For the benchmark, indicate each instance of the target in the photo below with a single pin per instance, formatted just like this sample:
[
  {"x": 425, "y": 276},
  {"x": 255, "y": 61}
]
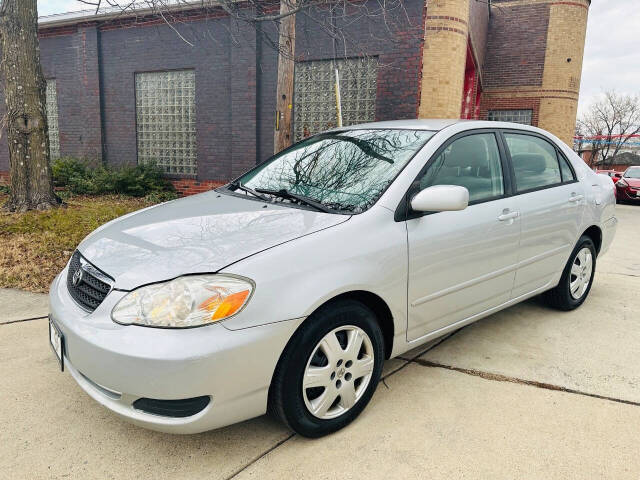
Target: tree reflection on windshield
[{"x": 345, "y": 170}]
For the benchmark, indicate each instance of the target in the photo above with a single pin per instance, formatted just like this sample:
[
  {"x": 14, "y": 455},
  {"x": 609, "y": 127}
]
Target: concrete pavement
[
  {"x": 463, "y": 409},
  {"x": 18, "y": 305},
  {"x": 594, "y": 349},
  {"x": 434, "y": 423}
]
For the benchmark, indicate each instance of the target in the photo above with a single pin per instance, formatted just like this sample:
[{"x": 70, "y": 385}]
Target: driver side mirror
[{"x": 441, "y": 198}]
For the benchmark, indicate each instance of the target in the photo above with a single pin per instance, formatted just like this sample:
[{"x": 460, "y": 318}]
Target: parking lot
[{"x": 526, "y": 393}]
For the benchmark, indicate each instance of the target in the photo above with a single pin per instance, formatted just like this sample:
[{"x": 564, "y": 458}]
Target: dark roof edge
[{"x": 115, "y": 13}]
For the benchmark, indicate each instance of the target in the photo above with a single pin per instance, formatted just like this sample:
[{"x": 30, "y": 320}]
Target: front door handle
[
  {"x": 508, "y": 216},
  {"x": 575, "y": 197}
]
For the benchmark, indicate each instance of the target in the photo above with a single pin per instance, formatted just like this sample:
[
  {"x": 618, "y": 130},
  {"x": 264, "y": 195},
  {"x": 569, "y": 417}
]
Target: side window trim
[
  {"x": 561, "y": 156},
  {"x": 507, "y": 167},
  {"x": 507, "y": 152},
  {"x": 403, "y": 211}
]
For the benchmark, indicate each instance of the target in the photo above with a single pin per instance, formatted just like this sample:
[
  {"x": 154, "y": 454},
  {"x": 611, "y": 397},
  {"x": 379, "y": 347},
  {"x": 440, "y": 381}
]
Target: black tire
[
  {"x": 560, "y": 297},
  {"x": 286, "y": 400}
]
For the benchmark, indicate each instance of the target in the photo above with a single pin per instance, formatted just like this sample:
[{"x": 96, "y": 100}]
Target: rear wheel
[
  {"x": 329, "y": 370},
  {"x": 577, "y": 277}
]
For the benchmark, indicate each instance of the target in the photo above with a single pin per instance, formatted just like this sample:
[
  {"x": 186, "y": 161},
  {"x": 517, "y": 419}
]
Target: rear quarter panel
[{"x": 600, "y": 199}]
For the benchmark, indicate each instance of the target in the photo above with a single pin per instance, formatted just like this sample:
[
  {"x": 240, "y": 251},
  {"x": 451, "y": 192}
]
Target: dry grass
[{"x": 35, "y": 246}]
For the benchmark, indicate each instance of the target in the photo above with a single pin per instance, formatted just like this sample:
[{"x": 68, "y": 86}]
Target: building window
[
  {"x": 166, "y": 120},
  {"x": 315, "y": 98},
  {"x": 515, "y": 116},
  {"x": 51, "y": 107}
]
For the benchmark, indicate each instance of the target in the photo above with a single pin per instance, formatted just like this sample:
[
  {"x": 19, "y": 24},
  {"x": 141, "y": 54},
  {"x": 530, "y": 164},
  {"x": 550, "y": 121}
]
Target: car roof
[
  {"x": 436, "y": 124},
  {"x": 422, "y": 124}
]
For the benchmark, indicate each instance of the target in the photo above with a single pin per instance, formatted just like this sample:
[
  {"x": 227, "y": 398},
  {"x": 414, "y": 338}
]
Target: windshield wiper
[
  {"x": 239, "y": 186},
  {"x": 282, "y": 193}
]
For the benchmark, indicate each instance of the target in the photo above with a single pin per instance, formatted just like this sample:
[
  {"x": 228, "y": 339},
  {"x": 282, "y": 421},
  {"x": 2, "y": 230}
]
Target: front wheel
[
  {"x": 329, "y": 370},
  {"x": 577, "y": 277}
]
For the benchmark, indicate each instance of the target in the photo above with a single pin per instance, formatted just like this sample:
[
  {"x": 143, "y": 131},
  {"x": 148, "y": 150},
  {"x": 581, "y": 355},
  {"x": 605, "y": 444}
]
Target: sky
[{"x": 612, "y": 51}]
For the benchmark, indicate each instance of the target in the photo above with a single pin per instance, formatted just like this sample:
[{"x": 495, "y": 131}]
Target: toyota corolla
[{"x": 286, "y": 289}]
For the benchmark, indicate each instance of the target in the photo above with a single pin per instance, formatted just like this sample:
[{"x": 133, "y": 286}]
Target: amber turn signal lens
[{"x": 230, "y": 305}]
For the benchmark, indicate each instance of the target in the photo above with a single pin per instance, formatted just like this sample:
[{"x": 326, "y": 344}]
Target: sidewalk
[{"x": 526, "y": 393}]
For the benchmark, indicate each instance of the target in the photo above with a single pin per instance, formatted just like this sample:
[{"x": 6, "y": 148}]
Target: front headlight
[{"x": 189, "y": 301}]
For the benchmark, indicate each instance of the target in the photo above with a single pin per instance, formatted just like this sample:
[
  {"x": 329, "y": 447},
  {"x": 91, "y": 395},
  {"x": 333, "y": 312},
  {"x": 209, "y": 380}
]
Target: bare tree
[
  {"x": 26, "y": 120},
  {"x": 610, "y": 123},
  {"x": 325, "y": 15}
]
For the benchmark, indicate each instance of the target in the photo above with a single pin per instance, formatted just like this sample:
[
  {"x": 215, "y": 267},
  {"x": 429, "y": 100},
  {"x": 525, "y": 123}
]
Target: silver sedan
[{"x": 286, "y": 289}]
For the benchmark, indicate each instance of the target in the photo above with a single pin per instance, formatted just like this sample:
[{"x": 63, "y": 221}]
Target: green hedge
[{"x": 82, "y": 178}]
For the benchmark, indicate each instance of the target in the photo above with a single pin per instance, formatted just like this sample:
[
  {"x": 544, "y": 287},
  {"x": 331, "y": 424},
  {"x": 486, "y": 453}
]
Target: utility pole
[{"x": 284, "y": 100}]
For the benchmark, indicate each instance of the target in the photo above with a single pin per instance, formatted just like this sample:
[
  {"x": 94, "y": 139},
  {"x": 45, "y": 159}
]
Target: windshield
[
  {"x": 346, "y": 170},
  {"x": 632, "y": 173}
]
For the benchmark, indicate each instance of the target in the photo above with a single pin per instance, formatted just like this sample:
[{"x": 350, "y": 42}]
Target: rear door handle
[
  {"x": 508, "y": 216},
  {"x": 575, "y": 197}
]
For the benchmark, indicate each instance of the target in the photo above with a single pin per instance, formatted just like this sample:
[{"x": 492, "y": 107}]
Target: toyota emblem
[{"x": 77, "y": 277}]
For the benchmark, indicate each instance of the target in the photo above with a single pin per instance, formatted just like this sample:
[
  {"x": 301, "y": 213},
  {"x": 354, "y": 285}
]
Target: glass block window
[
  {"x": 315, "y": 98},
  {"x": 515, "y": 116},
  {"x": 51, "y": 108},
  {"x": 166, "y": 120}
]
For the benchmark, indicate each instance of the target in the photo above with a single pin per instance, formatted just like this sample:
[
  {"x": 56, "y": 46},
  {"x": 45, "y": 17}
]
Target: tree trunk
[
  {"x": 284, "y": 101},
  {"x": 24, "y": 91}
]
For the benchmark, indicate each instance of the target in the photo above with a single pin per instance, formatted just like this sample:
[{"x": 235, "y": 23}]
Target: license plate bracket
[{"x": 56, "y": 340}]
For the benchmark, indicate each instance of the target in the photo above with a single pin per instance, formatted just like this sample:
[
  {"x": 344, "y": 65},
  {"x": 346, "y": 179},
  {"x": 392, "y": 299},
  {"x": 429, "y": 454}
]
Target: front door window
[{"x": 472, "y": 162}]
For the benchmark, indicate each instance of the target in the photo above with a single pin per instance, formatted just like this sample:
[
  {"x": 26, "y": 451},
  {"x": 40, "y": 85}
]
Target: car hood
[
  {"x": 633, "y": 182},
  {"x": 197, "y": 234}
]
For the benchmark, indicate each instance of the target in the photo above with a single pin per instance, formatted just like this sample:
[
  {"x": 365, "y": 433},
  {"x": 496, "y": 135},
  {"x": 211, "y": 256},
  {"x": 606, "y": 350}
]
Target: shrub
[
  {"x": 84, "y": 179},
  {"x": 63, "y": 169},
  {"x": 140, "y": 180},
  {"x": 160, "y": 197}
]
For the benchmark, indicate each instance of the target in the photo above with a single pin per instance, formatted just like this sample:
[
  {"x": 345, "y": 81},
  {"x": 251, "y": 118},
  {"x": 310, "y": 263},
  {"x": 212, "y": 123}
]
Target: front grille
[
  {"x": 186, "y": 407},
  {"x": 87, "y": 285}
]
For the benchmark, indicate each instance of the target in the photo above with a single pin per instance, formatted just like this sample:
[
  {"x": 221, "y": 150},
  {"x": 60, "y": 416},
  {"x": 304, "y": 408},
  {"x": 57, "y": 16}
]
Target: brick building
[{"x": 126, "y": 89}]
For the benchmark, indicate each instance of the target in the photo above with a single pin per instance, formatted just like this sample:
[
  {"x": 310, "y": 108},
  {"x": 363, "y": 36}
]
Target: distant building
[
  {"x": 588, "y": 154},
  {"x": 620, "y": 162},
  {"x": 125, "y": 88}
]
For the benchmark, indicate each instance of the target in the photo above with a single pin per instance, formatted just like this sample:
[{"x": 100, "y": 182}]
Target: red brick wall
[
  {"x": 589, "y": 157},
  {"x": 188, "y": 186},
  {"x": 235, "y": 88},
  {"x": 516, "y": 45},
  {"x": 500, "y": 101}
]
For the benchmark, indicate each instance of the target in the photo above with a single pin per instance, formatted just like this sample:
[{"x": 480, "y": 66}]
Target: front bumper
[
  {"x": 117, "y": 364},
  {"x": 628, "y": 195}
]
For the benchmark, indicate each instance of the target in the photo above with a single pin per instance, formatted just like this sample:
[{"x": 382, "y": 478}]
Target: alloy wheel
[
  {"x": 338, "y": 372},
  {"x": 580, "y": 276}
]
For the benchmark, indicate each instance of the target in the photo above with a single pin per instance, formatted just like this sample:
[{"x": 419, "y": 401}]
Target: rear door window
[
  {"x": 565, "y": 169},
  {"x": 535, "y": 162}
]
